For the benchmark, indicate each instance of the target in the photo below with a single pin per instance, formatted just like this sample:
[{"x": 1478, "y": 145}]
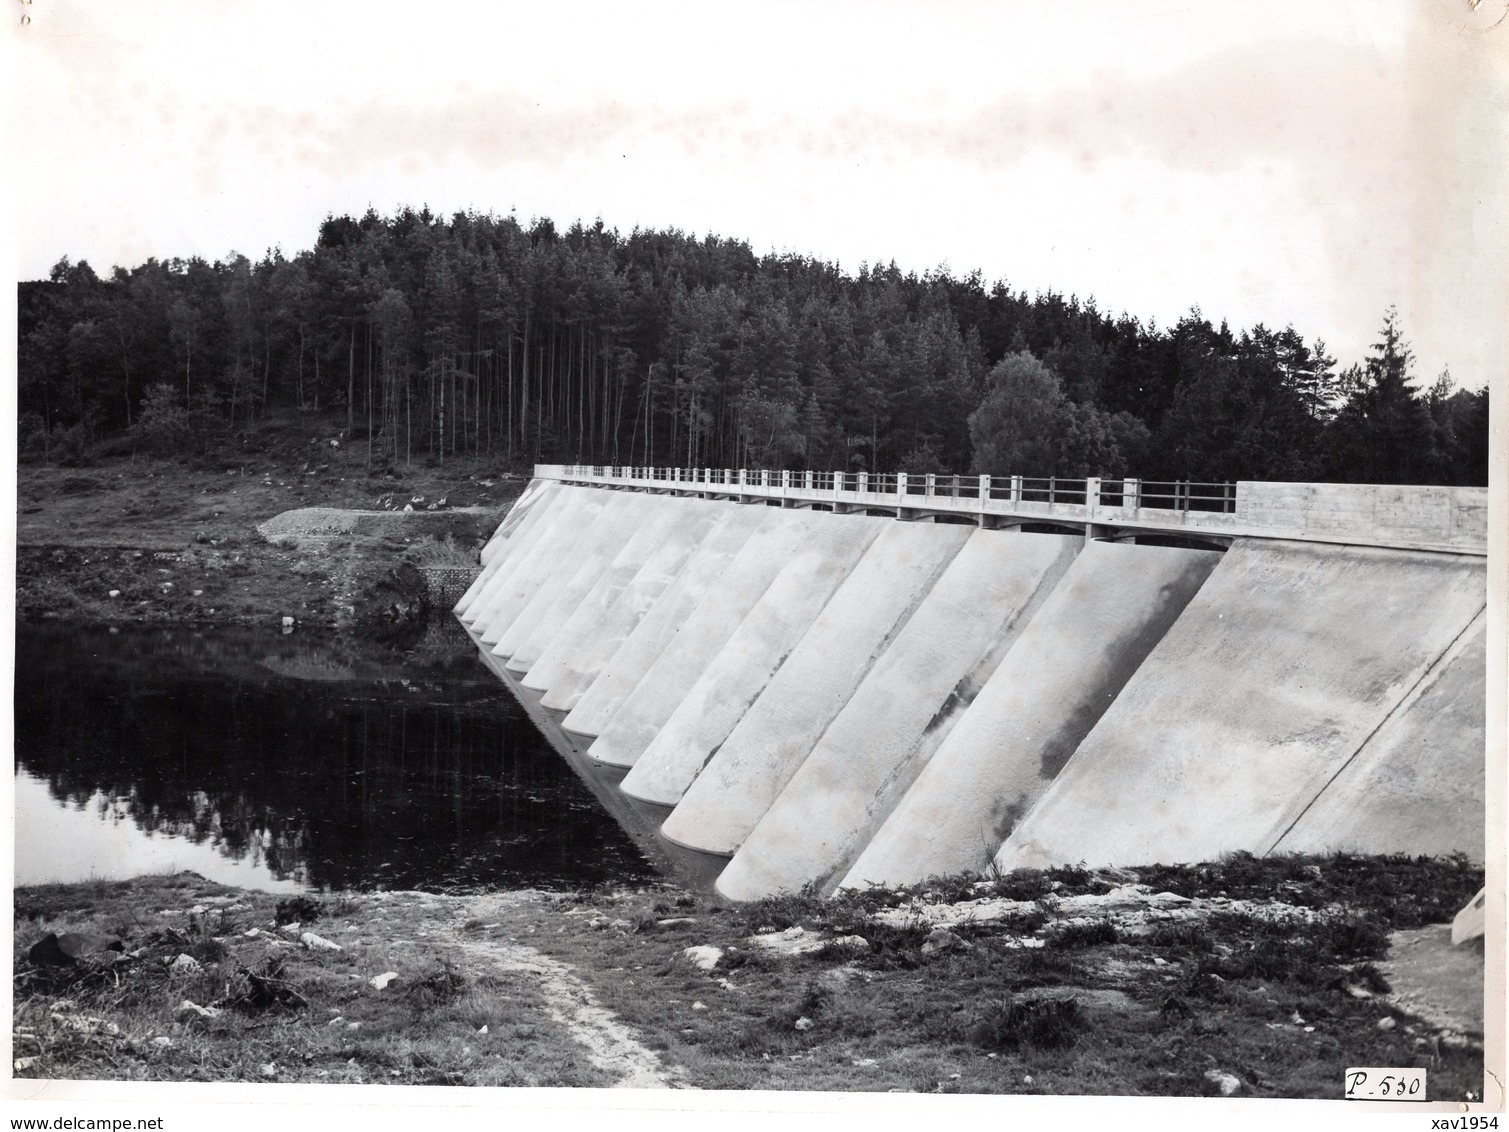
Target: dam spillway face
[{"x": 820, "y": 700}]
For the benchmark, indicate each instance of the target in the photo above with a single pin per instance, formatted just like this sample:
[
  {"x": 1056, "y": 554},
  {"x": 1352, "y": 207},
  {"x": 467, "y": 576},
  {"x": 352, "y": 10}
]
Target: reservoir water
[{"x": 290, "y": 763}]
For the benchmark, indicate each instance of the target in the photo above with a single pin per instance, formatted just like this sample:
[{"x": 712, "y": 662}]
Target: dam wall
[{"x": 801, "y": 698}]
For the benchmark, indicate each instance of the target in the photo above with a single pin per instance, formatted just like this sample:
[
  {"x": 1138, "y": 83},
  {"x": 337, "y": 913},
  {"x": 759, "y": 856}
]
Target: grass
[{"x": 1095, "y": 1008}]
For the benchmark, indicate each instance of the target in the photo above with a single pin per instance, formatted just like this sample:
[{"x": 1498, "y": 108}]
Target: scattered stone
[
  {"x": 699, "y": 1006},
  {"x": 185, "y": 964},
  {"x": 269, "y": 1070},
  {"x": 1386, "y": 1024},
  {"x": 854, "y": 944},
  {"x": 864, "y": 1063},
  {"x": 792, "y": 941},
  {"x": 318, "y": 943},
  {"x": 1027, "y": 1078},
  {"x": 252, "y": 933},
  {"x": 23, "y": 1063},
  {"x": 338, "y": 1020},
  {"x": 115, "y": 593},
  {"x": 1225, "y": 1082},
  {"x": 1159, "y": 961},
  {"x": 162, "y": 1041},
  {"x": 805, "y": 1024},
  {"x": 704, "y": 957},
  {"x": 942, "y": 940},
  {"x": 482, "y": 1029},
  {"x": 380, "y": 982},
  {"x": 189, "y": 1010}
]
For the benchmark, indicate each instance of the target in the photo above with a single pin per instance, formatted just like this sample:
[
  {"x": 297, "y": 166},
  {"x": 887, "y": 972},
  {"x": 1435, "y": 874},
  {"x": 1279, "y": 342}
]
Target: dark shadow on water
[{"x": 398, "y": 766}]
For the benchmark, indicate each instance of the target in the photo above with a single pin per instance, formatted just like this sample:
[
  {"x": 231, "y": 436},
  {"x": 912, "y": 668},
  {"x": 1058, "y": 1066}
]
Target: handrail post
[
  {"x": 930, "y": 485},
  {"x": 864, "y": 483},
  {"x": 901, "y": 485},
  {"x": 1052, "y": 483},
  {"x": 1092, "y": 494}
]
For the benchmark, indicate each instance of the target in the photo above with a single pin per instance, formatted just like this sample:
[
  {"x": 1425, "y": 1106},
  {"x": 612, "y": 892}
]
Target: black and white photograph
[{"x": 769, "y": 561}]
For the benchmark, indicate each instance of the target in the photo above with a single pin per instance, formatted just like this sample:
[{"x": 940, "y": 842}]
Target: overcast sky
[{"x": 1305, "y": 163}]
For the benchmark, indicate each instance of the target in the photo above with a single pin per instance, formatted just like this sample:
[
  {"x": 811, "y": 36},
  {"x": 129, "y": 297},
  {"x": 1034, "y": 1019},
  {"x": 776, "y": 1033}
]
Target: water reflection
[{"x": 305, "y": 762}]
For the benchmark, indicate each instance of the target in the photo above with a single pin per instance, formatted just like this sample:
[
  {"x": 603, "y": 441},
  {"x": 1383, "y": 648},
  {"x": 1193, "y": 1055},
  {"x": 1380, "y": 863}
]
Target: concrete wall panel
[
  {"x": 780, "y": 729},
  {"x": 741, "y": 670},
  {"x": 539, "y": 561},
  {"x": 704, "y": 633},
  {"x": 1276, "y": 673},
  {"x": 668, "y": 518},
  {"x": 1101, "y": 621},
  {"x": 1416, "y": 787},
  {"x": 601, "y": 700},
  {"x": 619, "y": 525},
  {"x": 915, "y": 693},
  {"x": 513, "y": 533}
]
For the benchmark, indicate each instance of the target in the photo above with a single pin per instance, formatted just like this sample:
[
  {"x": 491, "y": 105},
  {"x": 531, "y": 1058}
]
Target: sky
[{"x": 1283, "y": 162}]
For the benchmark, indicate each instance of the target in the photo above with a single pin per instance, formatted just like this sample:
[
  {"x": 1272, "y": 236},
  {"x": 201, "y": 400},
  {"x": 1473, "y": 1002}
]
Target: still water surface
[{"x": 287, "y": 764}]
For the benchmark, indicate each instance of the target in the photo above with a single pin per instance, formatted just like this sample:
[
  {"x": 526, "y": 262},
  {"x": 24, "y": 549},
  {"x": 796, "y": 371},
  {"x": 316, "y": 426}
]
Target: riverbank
[
  {"x": 1251, "y": 978},
  {"x": 138, "y": 540}
]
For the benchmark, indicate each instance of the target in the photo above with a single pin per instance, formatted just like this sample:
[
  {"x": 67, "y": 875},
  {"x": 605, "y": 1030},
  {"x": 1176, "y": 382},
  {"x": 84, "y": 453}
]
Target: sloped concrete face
[
  {"x": 532, "y": 503},
  {"x": 622, "y": 674},
  {"x": 765, "y": 748},
  {"x": 620, "y": 524},
  {"x": 742, "y": 669},
  {"x": 877, "y": 745},
  {"x": 669, "y": 532},
  {"x": 508, "y": 551},
  {"x": 704, "y": 633},
  {"x": 1416, "y": 787},
  {"x": 576, "y": 568},
  {"x": 1067, "y": 667},
  {"x": 550, "y": 545},
  {"x": 1275, "y": 675}
]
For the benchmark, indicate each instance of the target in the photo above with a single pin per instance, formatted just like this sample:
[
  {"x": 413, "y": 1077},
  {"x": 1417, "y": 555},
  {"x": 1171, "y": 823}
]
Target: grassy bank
[
  {"x": 122, "y": 539},
  {"x": 1252, "y": 978}
]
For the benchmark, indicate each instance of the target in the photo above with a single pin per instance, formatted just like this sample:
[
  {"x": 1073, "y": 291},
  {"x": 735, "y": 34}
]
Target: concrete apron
[
  {"x": 901, "y": 712},
  {"x": 764, "y": 749}
]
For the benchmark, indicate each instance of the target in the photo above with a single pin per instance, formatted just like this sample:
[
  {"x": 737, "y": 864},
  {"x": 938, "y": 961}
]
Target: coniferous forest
[{"x": 479, "y": 337}]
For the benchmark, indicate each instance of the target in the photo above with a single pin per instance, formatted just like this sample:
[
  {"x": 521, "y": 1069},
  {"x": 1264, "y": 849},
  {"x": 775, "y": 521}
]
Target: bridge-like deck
[{"x": 1451, "y": 520}]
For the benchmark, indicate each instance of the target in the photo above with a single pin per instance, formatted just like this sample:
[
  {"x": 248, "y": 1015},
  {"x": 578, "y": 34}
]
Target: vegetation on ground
[{"x": 1250, "y": 977}]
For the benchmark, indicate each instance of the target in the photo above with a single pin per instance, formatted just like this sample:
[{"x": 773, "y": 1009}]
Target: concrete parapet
[
  {"x": 781, "y": 728},
  {"x": 601, "y": 700},
  {"x": 1278, "y": 671},
  {"x": 1065, "y": 669},
  {"x": 877, "y": 745},
  {"x": 737, "y": 675}
]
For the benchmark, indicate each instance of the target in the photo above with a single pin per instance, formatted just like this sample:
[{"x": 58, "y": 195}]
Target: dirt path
[{"x": 611, "y": 1045}]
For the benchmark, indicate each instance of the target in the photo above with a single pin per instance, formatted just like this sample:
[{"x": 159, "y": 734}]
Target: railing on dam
[{"x": 1447, "y": 519}]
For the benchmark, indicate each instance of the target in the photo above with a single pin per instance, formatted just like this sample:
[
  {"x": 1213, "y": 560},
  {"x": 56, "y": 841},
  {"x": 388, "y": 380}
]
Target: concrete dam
[{"x": 772, "y": 671}]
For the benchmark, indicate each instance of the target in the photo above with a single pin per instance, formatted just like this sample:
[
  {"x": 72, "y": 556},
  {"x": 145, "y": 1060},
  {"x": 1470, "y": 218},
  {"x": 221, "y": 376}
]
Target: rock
[
  {"x": 699, "y": 1006},
  {"x": 268, "y": 1070},
  {"x": 1386, "y": 1024},
  {"x": 115, "y": 593},
  {"x": 23, "y": 1063},
  {"x": 185, "y": 964},
  {"x": 1225, "y": 1082},
  {"x": 188, "y": 1011},
  {"x": 318, "y": 943},
  {"x": 853, "y": 944},
  {"x": 704, "y": 957},
  {"x": 805, "y": 1024},
  {"x": 70, "y": 948},
  {"x": 287, "y": 622},
  {"x": 162, "y": 1041},
  {"x": 792, "y": 941},
  {"x": 252, "y": 933},
  {"x": 482, "y": 1029},
  {"x": 380, "y": 982},
  {"x": 941, "y": 940}
]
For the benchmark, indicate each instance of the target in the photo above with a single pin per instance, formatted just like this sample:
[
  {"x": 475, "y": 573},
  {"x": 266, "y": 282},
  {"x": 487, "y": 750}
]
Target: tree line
[{"x": 477, "y": 336}]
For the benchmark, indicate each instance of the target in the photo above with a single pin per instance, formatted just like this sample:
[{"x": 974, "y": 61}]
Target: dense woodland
[{"x": 476, "y": 336}]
